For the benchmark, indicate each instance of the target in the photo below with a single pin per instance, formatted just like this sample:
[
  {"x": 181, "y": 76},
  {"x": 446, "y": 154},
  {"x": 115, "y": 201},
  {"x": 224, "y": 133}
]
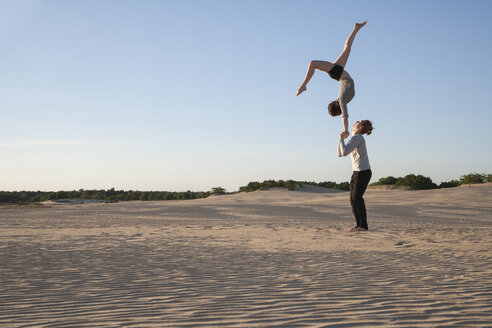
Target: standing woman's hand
[{"x": 344, "y": 134}]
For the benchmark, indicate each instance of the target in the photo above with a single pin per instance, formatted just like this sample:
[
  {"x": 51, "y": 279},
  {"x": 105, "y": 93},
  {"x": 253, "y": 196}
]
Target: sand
[{"x": 273, "y": 258}]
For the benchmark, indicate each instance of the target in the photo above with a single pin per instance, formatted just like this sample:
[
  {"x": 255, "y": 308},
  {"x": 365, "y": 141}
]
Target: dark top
[{"x": 336, "y": 72}]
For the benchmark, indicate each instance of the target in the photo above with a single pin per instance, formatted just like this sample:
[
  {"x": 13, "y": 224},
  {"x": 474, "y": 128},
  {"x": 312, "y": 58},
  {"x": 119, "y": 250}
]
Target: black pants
[{"x": 358, "y": 185}]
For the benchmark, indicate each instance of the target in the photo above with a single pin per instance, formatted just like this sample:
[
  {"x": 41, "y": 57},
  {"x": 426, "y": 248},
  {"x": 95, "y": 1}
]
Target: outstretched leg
[
  {"x": 314, "y": 64},
  {"x": 327, "y": 66},
  {"x": 343, "y": 58}
]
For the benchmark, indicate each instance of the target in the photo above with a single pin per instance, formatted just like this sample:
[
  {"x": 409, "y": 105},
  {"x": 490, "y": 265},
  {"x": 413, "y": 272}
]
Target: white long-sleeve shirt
[{"x": 356, "y": 147}]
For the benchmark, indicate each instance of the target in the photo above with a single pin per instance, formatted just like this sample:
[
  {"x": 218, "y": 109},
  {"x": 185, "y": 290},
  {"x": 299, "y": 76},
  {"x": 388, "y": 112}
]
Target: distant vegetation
[
  {"x": 475, "y": 178},
  {"x": 111, "y": 195},
  {"x": 252, "y": 186},
  {"x": 420, "y": 182},
  {"x": 411, "y": 180},
  {"x": 291, "y": 184}
]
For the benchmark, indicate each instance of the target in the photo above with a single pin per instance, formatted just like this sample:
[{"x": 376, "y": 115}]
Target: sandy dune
[{"x": 273, "y": 258}]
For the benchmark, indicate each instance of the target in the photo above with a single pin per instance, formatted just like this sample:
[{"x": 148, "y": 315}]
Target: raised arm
[
  {"x": 346, "y": 149},
  {"x": 343, "y": 108},
  {"x": 345, "y": 123}
]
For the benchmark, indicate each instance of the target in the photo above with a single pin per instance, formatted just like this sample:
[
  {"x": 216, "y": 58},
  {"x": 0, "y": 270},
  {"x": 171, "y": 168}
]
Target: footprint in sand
[{"x": 403, "y": 244}]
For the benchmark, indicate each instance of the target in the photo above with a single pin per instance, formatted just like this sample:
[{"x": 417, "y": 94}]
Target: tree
[
  {"x": 218, "y": 191},
  {"x": 473, "y": 178}
]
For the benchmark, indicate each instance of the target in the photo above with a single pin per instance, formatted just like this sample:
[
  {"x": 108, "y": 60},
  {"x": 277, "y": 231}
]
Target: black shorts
[{"x": 336, "y": 72}]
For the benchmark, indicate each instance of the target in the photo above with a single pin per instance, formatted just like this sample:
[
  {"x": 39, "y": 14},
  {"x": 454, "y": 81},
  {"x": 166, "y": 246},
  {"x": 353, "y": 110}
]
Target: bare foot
[
  {"x": 358, "y": 26},
  {"x": 301, "y": 90}
]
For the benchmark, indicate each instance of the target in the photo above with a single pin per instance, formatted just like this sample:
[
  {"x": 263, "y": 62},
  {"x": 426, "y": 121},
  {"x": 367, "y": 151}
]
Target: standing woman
[
  {"x": 356, "y": 147},
  {"x": 337, "y": 72}
]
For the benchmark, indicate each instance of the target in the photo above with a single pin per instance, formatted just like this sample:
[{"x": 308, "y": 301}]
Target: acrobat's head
[{"x": 334, "y": 108}]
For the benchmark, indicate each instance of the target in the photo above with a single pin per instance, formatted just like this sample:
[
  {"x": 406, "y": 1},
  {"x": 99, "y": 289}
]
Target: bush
[
  {"x": 112, "y": 199},
  {"x": 331, "y": 184},
  {"x": 416, "y": 182},
  {"x": 385, "y": 181},
  {"x": 474, "y": 178},
  {"x": 290, "y": 184},
  {"x": 250, "y": 187},
  {"x": 342, "y": 186},
  {"x": 6, "y": 197},
  {"x": 449, "y": 184}
]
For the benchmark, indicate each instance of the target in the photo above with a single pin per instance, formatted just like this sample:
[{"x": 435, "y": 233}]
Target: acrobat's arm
[
  {"x": 343, "y": 108},
  {"x": 345, "y": 123}
]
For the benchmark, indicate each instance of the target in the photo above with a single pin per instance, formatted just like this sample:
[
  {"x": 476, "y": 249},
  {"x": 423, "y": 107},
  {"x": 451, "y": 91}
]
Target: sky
[{"x": 190, "y": 95}]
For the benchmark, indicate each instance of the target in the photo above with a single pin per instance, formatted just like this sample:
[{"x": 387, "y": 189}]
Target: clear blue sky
[{"x": 178, "y": 95}]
